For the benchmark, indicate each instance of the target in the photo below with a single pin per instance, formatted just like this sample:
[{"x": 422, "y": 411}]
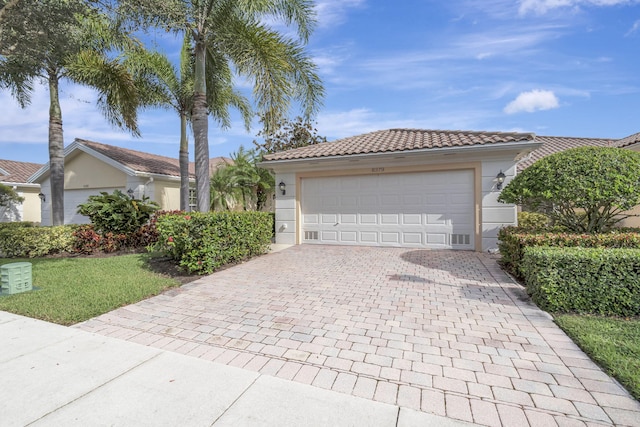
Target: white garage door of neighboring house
[
  {"x": 426, "y": 209},
  {"x": 73, "y": 198}
]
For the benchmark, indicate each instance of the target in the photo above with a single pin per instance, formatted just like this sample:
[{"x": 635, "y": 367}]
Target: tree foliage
[
  {"x": 288, "y": 134},
  {"x": 585, "y": 189},
  {"x": 117, "y": 212},
  {"x": 56, "y": 40},
  {"x": 8, "y": 196},
  {"x": 241, "y": 182},
  {"x": 238, "y": 37}
]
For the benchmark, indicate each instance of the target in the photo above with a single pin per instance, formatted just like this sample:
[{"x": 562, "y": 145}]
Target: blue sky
[{"x": 553, "y": 67}]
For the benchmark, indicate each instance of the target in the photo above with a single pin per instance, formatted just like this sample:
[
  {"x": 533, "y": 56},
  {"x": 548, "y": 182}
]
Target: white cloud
[
  {"x": 543, "y": 6},
  {"x": 635, "y": 27},
  {"x": 333, "y": 12},
  {"x": 535, "y": 100}
]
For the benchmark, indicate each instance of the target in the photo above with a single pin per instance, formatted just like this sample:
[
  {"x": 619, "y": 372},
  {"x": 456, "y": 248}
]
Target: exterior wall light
[
  {"x": 283, "y": 187},
  {"x": 43, "y": 198},
  {"x": 500, "y": 178},
  {"x": 130, "y": 192}
]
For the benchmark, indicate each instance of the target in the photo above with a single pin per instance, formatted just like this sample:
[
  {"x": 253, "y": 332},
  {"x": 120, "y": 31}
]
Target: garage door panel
[
  {"x": 368, "y": 237},
  {"x": 310, "y": 219},
  {"x": 390, "y": 237},
  {"x": 435, "y": 219},
  {"x": 411, "y": 209},
  {"x": 412, "y": 219},
  {"x": 329, "y": 236},
  {"x": 412, "y": 239},
  {"x": 368, "y": 219},
  {"x": 436, "y": 239},
  {"x": 349, "y": 236},
  {"x": 348, "y": 219},
  {"x": 393, "y": 219},
  {"x": 329, "y": 219}
]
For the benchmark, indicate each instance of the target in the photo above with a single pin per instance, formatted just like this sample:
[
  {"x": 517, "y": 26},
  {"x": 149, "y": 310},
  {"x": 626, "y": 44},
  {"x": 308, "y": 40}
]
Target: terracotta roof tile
[
  {"x": 625, "y": 142},
  {"x": 18, "y": 172},
  {"x": 396, "y": 140},
  {"x": 555, "y": 144},
  {"x": 146, "y": 162}
]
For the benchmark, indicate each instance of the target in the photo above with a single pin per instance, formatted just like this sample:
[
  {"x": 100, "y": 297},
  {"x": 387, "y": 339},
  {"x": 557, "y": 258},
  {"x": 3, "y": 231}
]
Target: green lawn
[
  {"x": 71, "y": 290},
  {"x": 613, "y": 343}
]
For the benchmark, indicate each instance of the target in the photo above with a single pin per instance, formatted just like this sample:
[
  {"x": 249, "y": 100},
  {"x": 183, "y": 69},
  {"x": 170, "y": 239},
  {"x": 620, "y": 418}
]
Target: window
[{"x": 193, "y": 204}]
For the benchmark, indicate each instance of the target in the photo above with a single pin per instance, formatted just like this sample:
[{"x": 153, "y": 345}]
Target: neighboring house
[
  {"x": 16, "y": 175},
  {"x": 91, "y": 168},
  {"x": 398, "y": 187}
]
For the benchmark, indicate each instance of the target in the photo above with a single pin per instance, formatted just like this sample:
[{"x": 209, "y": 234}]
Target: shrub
[
  {"x": 584, "y": 189},
  {"x": 9, "y": 196},
  {"x": 31, "y": 242},
  {"x": 532, "y": 220},
  {"x": 117, "y": 213},
  {"x": 584, "y": 280},
  {"x": 204, "y": 242},
  {"x": 512, "y": 242}
]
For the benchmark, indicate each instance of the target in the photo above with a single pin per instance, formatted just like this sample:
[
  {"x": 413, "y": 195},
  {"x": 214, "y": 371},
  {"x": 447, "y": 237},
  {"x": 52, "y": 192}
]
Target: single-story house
[
  {"x": 399, "y": 187},
  {"x": 16, "y": 175},
  {"x": 91, "y": 167},
  {"x": 409, "y": 187}
]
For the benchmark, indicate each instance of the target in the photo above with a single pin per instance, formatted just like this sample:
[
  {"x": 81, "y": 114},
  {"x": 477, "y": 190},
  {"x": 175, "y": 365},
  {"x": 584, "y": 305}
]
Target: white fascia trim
[
  {"x": 20, "y": 184},
  {"x": 75, "y": 145},
  {"x": 510, "y": 146}
]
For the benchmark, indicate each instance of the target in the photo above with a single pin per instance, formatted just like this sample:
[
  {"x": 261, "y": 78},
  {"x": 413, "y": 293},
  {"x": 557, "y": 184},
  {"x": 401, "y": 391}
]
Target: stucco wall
[
  {"x": 85, "y": 171},
  {"x": 31, "y": 204},
  {"x": 495, "y": 215},
  {"x": 166, "y": 194},
  {"x": 286, "y": 210}
]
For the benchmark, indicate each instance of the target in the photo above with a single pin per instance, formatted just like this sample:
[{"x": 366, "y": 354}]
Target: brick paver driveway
[{"x": 440, "y": 331}]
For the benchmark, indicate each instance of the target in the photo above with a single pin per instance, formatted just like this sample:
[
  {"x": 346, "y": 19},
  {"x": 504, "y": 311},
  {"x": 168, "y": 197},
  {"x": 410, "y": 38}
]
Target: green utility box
[{"x": 15, "y": 278}]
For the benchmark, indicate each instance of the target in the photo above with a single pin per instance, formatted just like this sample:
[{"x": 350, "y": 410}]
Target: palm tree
[
  {"x": 231, "y": 34},
  {"x": 53, "y": 40},
  {"x": 174, "y": 89},
  {"x": 224, "y": 189}
]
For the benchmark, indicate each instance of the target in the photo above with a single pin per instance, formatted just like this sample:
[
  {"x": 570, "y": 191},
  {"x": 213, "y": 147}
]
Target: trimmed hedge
[
  {"x": 512, "y": 242},
  {"x": 204, "y": 242},
  {"x": 584, "y": 280},
  {"x": 31, "y": 242}
]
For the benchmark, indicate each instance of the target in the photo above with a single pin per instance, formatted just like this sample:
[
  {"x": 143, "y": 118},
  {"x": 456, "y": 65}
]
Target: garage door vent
[
  {"x": 310, "y": 235},
  {"x": 460, "y": 239}
]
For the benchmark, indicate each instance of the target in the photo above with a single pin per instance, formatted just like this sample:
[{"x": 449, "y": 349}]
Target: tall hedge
[
  {"x": 512, "y": 242},
  {"x": 204, "y": 242},
  {"x": 584, "y": 280}
]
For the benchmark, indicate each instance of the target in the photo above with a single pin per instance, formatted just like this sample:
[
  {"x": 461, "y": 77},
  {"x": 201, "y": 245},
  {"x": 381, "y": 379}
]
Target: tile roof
[
  {"x": 397, "y": 140},
  {"x": 18, "y": 172},
  {"x": 630, "y": 140},
  {"x": 146, "y": 162},
  {"x": 555, "y": 144}
]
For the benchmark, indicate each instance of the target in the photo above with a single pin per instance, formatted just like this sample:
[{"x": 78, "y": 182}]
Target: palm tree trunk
[
  {"x": 56, "y": 152},
  {"x": 184, "y": 164},
  {"x": 201, "y": 127}
]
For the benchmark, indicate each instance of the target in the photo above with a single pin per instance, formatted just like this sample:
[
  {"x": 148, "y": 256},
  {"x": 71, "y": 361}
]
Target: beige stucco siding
[
  {"x": 31, "y": 204},
  {"x": 85, "y": 171},
  {"x": 167, "y": 195}
]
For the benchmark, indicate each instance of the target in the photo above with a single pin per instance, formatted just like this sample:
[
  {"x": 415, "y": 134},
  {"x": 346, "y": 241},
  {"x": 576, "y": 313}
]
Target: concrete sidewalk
[{"x": 58, "y": 376}]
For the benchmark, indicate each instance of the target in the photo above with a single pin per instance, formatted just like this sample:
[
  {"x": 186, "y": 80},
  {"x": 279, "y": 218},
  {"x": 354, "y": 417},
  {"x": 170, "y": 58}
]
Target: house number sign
[{"x": 374, "y": 170}]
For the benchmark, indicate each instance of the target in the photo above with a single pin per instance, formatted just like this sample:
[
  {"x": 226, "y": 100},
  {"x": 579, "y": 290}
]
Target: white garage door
[
  {"x": 427, "y": 209},
  {"x": 73, "y": 198}
]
